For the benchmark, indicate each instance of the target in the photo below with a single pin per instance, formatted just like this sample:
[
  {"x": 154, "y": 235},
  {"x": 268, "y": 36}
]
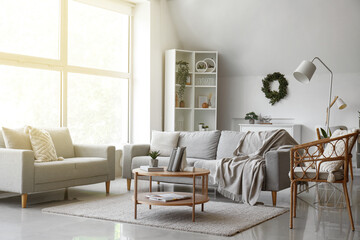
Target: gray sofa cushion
[
  {"x": 70, "y": 168},
  {"x": 209, "y": 165},
  {"x": 228, "y": 142},
  {"x": 2, "y": 143},
  {"x": 62, "y": 142},
  {"x": 311, "y": 173},
  {"x": 200, "y": 144}
]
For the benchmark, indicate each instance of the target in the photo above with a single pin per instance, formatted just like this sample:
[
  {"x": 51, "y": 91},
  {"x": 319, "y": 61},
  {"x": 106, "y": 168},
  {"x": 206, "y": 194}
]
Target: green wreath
[{"x": 275, "y": 96}]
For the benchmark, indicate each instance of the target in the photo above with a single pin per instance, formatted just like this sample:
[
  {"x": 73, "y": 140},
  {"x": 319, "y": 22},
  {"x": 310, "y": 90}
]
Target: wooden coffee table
[{"x": 140, "y": 198}]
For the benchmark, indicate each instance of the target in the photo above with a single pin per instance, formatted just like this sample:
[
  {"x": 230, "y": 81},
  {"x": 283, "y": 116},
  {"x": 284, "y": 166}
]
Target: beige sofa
[{"x": 82, "y": 164}]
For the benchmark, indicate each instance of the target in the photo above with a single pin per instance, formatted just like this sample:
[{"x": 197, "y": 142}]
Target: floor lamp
[{"x": 304, "y": 73}]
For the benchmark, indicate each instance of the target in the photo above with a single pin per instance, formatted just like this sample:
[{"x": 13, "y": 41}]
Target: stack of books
[
  {"x": 167, "y": 197},
  {"x": 152, "y": 169},
  {"x": 175, "y": 160}
]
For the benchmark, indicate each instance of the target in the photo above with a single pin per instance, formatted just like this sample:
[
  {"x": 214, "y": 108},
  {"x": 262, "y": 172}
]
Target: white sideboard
[{"x": 293, "y": 129}]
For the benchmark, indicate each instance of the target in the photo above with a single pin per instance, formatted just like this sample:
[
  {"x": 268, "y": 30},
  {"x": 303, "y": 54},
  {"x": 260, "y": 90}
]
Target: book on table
[
  {"x": 152, "y": 169},
  {"x": 167, "y": 197},
  {"x": 171, "y": 160},
  {"x": 176, "y": 159}
]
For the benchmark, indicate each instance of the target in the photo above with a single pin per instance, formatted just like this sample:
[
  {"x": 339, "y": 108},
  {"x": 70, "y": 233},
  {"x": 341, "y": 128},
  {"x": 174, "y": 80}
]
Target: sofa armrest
[
  {"x": 103, "y": 151},
  {"x": 277, "y": 170},
  {"x": 16, "y": 170},
  {"x": 130, "y": 151}
]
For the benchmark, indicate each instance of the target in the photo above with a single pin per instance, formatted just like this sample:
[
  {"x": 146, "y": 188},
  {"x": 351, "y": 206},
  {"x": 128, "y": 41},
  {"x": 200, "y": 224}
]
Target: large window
[
  {"x": 66, "y": 63},
  {"x": 30, "y": 27},
  {"x": 97, "y": 103}
]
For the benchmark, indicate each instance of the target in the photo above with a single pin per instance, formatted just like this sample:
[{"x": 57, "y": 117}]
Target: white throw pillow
[
  {"x": 16, "y": 138},
  {"x": 164, "y": 142},
  {"x": 339, "y": 150},
  {"x": 42, "y": 145},
  {"x": 62, "y": 141}
]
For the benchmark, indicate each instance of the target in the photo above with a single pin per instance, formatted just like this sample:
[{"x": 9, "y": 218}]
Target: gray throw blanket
[{"x": 243, "y": 175}]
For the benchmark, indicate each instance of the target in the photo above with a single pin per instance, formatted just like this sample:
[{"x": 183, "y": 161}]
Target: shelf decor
[
  {"x": 251, "y": 116},
  {"x": 275, "y": 96},
  {"x": 201, "y": 66},
  {"x": 182, "y": 76},
  {"x": 202, "y": 100},
  {"x": 210, "y": 64}
]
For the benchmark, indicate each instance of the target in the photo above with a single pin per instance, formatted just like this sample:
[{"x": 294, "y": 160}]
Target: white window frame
[{"x": 62, "y": 66}]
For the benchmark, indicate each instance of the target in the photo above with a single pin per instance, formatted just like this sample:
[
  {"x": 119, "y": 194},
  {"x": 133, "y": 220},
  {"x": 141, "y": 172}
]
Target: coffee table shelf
[
  {"x": 199, "y": 199},
  {"x": 140, "y": 198}
]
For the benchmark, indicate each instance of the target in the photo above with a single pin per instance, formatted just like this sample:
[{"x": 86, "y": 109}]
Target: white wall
[
  {"x": 140, "y": 87},
  {"x": 256, "y": 37},
  {"x": 163, "y": 37},
  {"x": 153, "y": 34}
]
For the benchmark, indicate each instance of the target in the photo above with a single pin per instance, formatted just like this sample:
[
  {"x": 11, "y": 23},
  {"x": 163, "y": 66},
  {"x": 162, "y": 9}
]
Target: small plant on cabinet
[{"x": 251, "y": 116}]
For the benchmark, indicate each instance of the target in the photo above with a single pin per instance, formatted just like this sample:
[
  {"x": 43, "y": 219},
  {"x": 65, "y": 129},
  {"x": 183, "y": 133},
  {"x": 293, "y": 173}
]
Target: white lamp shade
[
  {"x": 304, "y": 71},
  {"x": 340, "y": 103}
]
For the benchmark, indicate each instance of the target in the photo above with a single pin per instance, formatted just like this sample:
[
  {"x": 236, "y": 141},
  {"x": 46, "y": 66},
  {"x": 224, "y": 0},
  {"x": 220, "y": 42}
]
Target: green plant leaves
[
  {"x": 275, "y": 96},
  {"x": 181, "y": 76}
]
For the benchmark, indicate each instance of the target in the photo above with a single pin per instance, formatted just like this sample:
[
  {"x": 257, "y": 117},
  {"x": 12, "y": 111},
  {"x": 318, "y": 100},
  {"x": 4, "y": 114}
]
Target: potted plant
[
  {"x": 182, "y": 75},
  {"x": 201, "y": 125},
  {"x": 251, "y": 116},
  {"x": 154, "y": 162}
]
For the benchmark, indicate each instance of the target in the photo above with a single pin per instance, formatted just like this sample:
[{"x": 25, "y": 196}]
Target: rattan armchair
[{"x": 309, "y": 159}]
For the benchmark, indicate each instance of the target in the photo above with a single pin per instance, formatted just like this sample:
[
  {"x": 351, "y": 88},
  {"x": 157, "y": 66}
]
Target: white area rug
[{"x": 218, "y": 218}]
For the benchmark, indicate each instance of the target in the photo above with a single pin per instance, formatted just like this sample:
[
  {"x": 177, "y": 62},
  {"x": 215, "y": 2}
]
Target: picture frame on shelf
[{"x": 203, "y": 99}]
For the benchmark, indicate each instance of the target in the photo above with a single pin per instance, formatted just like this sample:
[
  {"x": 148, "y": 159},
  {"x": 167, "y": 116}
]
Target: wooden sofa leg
[
  {"x": 23, "y": 200},
  {"x": 273, "y": 194},
  {"x": 128, "y": 184},
  {"x": 66, "y": 194},
  {"x": 107, "y": 186}
]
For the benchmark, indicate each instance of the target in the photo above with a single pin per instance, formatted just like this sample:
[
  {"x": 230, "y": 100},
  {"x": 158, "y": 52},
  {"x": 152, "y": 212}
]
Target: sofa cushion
[
  {"x": 200, "y": 144},
  {"x": 211, "y": 166},
  {"x": 69, "y": 169},
  {"x": 2, "y": 143},
  {"x": 311, "y": 173},
  {"x": 16, "y": 138},
  {"x": 336, "y": 151},
  {"x": 229, "y": 141},
  {"x": 42, "y": 145},
  {"x": 164, "y": 142},
  {"x": 62, "y": 141}
]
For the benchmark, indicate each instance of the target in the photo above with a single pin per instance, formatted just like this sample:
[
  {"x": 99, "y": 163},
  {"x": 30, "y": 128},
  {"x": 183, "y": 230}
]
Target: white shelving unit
[{"x": 202, "y": 84}]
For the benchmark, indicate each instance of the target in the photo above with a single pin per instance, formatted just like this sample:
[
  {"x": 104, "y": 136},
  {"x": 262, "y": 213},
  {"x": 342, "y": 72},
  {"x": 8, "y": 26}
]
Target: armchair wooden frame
[{"x": 311, "y": 155}]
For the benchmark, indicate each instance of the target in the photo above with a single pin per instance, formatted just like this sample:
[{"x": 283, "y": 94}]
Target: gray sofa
[
  {"x": 204, "y": 150},
  {"x": 82, "y": 164}
]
